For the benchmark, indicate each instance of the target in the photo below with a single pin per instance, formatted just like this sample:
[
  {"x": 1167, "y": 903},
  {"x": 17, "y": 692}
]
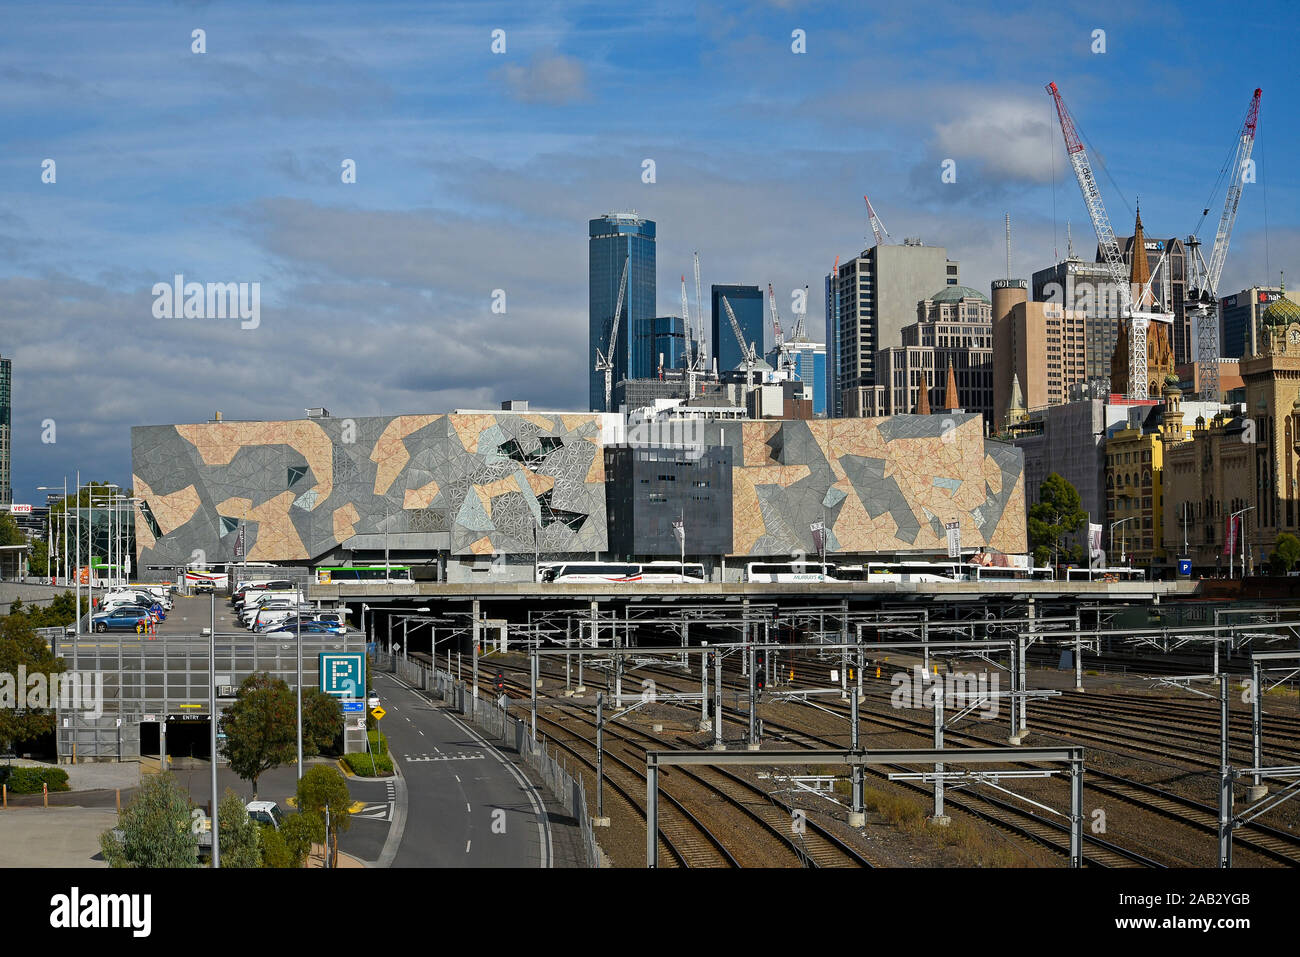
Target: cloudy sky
[{"x": 478, "y": 170}]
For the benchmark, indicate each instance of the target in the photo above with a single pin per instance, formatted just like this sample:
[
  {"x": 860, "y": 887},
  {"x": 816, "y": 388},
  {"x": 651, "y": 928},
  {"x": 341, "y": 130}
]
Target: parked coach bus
[
  {"x": 623, "y": 573},
  {"x": 368, "y": 574}
]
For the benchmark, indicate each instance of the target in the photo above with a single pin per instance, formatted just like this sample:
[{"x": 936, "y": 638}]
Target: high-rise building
[
  {"x": 1038, "y": 344},
  {"x": 747, "y": 303},
  {"x": 1240, "y": 313},
  {"x": 658, "y": 338},
  {"x": 954, "y": 332},
  {"x": 6, "y": 397},
  {"x": 877, "y": 295},
  {"x": 615, "y": 239},
  {"x": 1087, "y": 288}
]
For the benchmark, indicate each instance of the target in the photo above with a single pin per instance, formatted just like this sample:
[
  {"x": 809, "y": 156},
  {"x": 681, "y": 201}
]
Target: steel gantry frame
[{"x": 858, "y": 760}]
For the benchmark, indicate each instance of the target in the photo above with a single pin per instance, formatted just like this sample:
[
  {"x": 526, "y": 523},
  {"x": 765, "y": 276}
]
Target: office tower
[
  {"x": 615, "y": 239},
  {"x": 6, "y": 380},
  {"x": 878, "y": 292}
]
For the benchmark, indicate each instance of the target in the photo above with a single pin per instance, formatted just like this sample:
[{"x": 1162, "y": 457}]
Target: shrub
[
  {"x": 378, "y": 742},
  {"x": 360, "y": 764},
  {"x": 22, "y": 780}
]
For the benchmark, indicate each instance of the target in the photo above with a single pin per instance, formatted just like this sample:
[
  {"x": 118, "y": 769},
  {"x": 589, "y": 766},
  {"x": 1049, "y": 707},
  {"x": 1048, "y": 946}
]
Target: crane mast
[
  {"x": 699, "y": 310},
  {"x": 747, "y": 351},
  {"x": 777, "y": 334},
  {"x": 605, "y": 363},
  {"x": 1137, "y": 347},
  {"x": 686, "y": 329},
  {"x": 1205, "y": 277}
]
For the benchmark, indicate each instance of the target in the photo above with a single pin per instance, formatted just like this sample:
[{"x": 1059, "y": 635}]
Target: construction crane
[
  {"x": 778, "y": 335},
  {"x": 747, "y": 351},
  {"x": 699, "y": 312},
  {"x": 1138, "y": 320},
  {"x": 798, "y": 333},
  {"x": 1203, "y": 281},
  {"x": 605, "y": 363},
  {"x": 877, "y": 226},
  {"x": 686, "y": 329}
]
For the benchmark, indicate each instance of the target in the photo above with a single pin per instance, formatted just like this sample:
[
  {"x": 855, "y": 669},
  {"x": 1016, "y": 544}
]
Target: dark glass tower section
[
  {"x": 747, "y": 303},
  {"x": 612, "y": 239}
]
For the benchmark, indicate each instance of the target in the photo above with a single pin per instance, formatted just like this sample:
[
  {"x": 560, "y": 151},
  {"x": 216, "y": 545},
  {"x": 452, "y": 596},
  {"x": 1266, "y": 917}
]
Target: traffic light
[
  {"x": 760, "y": 670},
  {"x": 501, "y": 681}
]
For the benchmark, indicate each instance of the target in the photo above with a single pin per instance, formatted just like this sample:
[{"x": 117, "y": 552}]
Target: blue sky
[{"x": 478, "y": 171}]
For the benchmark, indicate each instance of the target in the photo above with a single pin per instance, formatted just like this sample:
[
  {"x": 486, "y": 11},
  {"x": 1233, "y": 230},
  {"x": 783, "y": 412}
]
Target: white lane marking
[
  {"x": 417, "y": 729},
  {"x": 468, "y": 809},
  {"x": 457, "y": 777},
  {"x": 467, "y": 844}
]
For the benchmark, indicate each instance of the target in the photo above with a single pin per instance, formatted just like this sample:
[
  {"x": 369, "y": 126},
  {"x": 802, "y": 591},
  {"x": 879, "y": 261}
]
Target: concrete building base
[
  {"x": 1018, "y": 738},
  {"x": 1256, "y": 793},
  {"x": 704, "y": 724},
  {"x": 857, "y": 819},
  {"x": 719, "y": 747},
  {"x": 753, "y": 746},
  {"x": 600, "y": 822},
  {"x": 940, "y": 820},
  {"x": 656, "y": 728}
]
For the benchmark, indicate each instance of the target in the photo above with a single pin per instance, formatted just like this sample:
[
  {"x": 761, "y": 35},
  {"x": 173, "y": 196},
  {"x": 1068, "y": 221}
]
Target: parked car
[
  {"x": 265, "y": 812},
  {"x": 289, "y": 630},
  {"x": 270, "y": 619},
  {"x": 123, "y": 618}
]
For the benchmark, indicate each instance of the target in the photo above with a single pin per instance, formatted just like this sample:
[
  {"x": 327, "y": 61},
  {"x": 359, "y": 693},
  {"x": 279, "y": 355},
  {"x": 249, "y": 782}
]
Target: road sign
[
  {"x": 378, "y": 712},
  {"x": 343, "y": 674},
  {"x": 1184, "y": 566},
  {"x": 354, "y": 707}
]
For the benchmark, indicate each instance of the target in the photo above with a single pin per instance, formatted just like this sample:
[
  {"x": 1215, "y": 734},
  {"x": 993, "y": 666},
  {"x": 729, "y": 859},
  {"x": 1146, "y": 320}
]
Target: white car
[{"x": 372, "y": 702}]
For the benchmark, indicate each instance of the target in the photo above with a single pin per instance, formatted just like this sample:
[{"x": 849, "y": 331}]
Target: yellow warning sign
[{"x": 378, "y": 713}]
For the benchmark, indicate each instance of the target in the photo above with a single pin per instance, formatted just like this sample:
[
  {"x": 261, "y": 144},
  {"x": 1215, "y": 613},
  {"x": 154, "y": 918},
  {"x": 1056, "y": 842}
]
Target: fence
[{"x": 568, "y": 789}]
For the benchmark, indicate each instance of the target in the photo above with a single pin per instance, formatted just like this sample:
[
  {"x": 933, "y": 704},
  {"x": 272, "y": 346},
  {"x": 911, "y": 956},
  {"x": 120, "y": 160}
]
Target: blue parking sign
[
  {"x": 343, "y": 674},
  {"x": 1184, "y": 566}
]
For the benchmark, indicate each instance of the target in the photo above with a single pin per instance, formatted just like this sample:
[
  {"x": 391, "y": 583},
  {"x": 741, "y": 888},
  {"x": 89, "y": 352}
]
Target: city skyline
[{"x": 377, "y": 296}]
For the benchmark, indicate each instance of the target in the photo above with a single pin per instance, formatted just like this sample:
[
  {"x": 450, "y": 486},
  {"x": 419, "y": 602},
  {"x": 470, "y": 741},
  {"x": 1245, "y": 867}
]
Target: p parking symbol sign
[{"x": 343, "y": 674}]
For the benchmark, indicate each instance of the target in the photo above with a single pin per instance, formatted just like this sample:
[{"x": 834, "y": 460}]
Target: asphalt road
[{"x": 468, "y": 806}]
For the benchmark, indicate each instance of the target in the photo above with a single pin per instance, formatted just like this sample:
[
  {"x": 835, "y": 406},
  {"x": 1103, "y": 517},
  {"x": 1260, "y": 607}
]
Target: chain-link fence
[{"x": 498, "y": 725}]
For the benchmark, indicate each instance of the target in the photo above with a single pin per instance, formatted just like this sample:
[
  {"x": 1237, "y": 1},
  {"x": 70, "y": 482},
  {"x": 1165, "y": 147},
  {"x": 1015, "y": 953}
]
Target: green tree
[
  {"x": 1057, "y": 514},
  {"x": 290, "y": 845},
  {"x": 322, "y": 722},
  {"x": 38, "y": 560},
  {"x": 21, "y": 647},
  {"x": 261, "y": 728},
  {"x": 323, "y": 789},
  {"x": 10, "y": 533},
  {"x": 155, "y": 829},
  {"x": 241, "y": 844},
  {"x": 1286, "y": 552}
]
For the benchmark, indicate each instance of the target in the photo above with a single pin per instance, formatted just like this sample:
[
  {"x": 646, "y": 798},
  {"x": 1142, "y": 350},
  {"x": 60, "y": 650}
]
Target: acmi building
[{"x": 475, "y": 496}]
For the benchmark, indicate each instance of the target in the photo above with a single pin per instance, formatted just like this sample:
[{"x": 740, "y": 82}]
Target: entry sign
[
  {"x": 343, "y": 674},
  {"x": 378, "y": 712},
  {"x": 1184, "y": 566}
]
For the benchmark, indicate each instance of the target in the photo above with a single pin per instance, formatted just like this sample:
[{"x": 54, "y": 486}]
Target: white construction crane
[
  {"x": 798, "y": 333},
  {"x": 747, "y": 351},
  {"x": 686, "y": 329},
  {"x": 778, "y": 335},
  {"x": 877, "y": 226},
  {"x": 1138, "y": 320},
  {"x": 1203, "y": 281},
  {"x": 699, "y": 313},
  {"x": 605, "y": 362}
]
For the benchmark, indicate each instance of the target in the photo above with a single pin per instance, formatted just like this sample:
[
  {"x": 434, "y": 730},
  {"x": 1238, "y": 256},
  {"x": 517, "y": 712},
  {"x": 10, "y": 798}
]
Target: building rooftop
[{"x": 958, "y": 293}]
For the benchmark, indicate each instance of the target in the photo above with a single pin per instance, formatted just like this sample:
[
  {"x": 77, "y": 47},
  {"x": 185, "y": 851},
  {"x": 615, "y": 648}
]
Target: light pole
[
  {"x": 1113, "y": 525},
  {"x": 1242, "y": 533},
  {"x": 64, "y": 554},
  {"x": 212, "y": 721}
]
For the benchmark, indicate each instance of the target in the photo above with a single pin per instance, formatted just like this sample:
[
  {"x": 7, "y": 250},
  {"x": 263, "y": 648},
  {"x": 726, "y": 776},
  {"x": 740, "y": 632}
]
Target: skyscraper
[
  {"x": 6, "y": 378},
  {"x": 615, "y": 239},
  {"x": 878, "y": 292},
  {"x": 747, "y": 303},
  {"x": 657, "y": 337}
]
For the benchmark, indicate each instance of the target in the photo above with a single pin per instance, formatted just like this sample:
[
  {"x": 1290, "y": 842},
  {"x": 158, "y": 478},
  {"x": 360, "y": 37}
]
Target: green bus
[{"x": 376, "y": 574}]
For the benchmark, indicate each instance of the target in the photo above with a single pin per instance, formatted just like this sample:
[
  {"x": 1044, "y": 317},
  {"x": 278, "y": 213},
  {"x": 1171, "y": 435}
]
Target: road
[{"x": 468, "y": 806}]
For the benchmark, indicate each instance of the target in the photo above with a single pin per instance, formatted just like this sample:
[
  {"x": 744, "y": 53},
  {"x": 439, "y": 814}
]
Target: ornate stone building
[
  {"x": 1160, "y": 352},
  {"x": 1247, "y": 461}
]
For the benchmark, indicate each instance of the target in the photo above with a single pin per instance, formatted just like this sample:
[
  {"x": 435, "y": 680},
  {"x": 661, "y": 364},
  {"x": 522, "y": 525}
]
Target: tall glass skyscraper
[
  {"x": 747, "y": 303},
  {"x": 6, "y": 379},
  {"x": 613, "y": 239}
]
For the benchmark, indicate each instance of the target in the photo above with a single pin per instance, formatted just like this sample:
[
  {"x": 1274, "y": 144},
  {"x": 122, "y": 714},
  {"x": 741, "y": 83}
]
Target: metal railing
[{"x": 567, "y": 789}]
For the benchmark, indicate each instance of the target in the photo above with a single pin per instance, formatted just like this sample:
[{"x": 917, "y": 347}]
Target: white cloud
[
  {"x": 1012, "y": 138},
  {"x": 548, "y": 78}
]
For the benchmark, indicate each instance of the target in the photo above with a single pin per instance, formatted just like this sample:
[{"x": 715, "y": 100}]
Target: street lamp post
[
  {"x": 63, "y": 555},
  {"x": 1242, "y": 532},
  {"x": 1113, "y": 526},
  {"x": 212, "y": 721}
]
